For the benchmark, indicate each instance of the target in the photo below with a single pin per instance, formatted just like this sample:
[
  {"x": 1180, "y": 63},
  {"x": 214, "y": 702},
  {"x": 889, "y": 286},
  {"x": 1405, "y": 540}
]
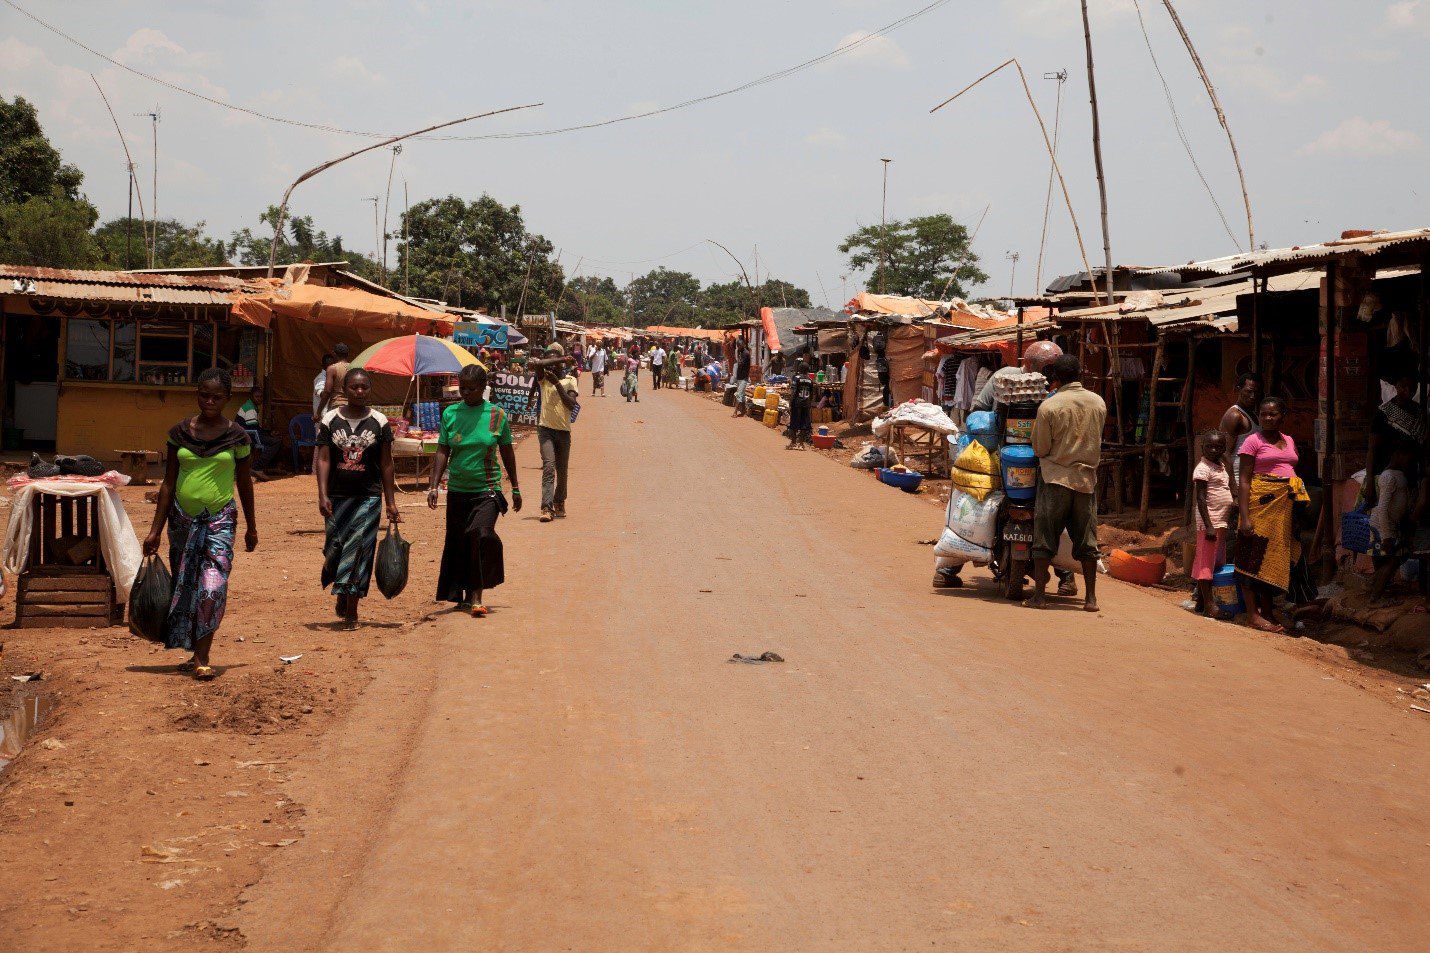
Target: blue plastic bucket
[
  {"x": 1226, "y": 591},
  {"x": 1020, "y": 471}
]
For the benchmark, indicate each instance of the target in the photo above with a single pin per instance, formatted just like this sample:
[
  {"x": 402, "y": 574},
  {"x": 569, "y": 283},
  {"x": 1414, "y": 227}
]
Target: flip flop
[{"x": 1030, "y": 603}]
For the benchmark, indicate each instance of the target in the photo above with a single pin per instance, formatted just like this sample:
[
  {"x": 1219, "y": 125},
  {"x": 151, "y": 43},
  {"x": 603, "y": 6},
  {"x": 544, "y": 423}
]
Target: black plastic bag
[
  {"x": 392, "y": 563},
  {"x": 149, "y": 599}
]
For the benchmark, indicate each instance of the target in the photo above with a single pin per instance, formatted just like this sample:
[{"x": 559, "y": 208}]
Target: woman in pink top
[{"x": 1268, "y": 547}]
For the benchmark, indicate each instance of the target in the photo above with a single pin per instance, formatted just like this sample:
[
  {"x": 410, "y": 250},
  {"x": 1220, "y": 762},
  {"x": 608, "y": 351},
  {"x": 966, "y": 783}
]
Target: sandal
[
  {"x": 464, "y": 607},
  {"x": 204, "y": 673},
  {"x": 188, "y": 666},
  {"x": 479, "y": 611}
]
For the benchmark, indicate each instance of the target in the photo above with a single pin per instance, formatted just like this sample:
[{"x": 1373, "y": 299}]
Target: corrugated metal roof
[
  {"x": 85, "y": 291},
  {"x": 122, "y": 278},
  {"x": 1300, "y": 255},
  {"x": 996, "y": 335}
]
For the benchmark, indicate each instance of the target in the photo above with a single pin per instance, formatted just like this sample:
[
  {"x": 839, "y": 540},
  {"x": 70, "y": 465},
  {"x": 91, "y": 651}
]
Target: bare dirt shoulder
[
  {"x": 145, "y": 802},
  {"x": 1391, "y": 670}
]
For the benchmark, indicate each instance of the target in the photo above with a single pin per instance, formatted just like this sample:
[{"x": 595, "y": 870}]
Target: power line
[
  {"x": 1182, "y": 133},
  {"x": 325, "y": 127}
]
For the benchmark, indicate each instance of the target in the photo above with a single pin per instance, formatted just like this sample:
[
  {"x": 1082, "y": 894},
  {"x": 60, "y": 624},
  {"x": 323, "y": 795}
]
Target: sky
[{"x": 1325, "y": 99}]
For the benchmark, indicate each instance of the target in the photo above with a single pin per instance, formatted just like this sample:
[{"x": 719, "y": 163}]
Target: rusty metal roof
[
  {"x": 125, "y": 278},
  {"x": 1299, "y": 256}
]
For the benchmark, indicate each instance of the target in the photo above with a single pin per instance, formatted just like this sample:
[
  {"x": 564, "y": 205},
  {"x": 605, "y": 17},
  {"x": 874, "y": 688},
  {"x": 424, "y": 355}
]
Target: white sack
[
  {"x": 122, "y": 552},
  {"x": 975, "y": 522},
  {"x": 919, "y": 413},
  {"x": 951, "y": 544}
]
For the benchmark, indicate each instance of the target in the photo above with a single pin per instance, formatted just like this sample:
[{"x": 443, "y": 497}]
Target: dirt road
[{"x": 583, "y": 770}]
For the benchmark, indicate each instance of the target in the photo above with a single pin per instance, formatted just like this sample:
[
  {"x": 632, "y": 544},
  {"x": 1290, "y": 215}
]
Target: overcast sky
[{"x": 1327, "y": 99}]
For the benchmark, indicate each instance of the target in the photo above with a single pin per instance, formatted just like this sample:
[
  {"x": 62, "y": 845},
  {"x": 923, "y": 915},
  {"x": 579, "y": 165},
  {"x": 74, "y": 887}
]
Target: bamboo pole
[
  {"x": 323, "y": 167},
  {"x": 1047, "y": 142},
  {"x": 1116, "y": 333},
  {"x": 1143, "y": 518},
  {"x": 129, "y": 160},
  {"x": 1221, "y": 118}
]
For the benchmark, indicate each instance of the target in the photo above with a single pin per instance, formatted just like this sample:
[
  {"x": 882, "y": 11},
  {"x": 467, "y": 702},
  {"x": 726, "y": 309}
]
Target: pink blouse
[{"x": 1271, "y": 459}]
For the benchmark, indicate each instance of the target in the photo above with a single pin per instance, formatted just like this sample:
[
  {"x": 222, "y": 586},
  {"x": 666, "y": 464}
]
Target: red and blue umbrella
[{"x": 414, "y": 356}]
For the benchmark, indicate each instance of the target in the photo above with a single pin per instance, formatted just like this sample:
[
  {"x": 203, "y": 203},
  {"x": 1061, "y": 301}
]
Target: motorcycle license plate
[{"x": 1017, "y": 534}]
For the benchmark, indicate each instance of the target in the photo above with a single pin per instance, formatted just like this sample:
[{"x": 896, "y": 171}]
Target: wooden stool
[
  {"x": 135, "y": 464},
  {"x": 65, "y": 583}
]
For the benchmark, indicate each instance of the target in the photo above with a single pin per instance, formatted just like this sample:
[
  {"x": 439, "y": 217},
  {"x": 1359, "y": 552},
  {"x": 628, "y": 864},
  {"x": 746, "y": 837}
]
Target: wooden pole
[
  {"x": 323, "y": 167},
  {"x": 1220, "y": 115},
  {"x": 1144, "y": 519},
  {"x": 1114, "y": 335},
  {"x": 1047, "y": 143}
]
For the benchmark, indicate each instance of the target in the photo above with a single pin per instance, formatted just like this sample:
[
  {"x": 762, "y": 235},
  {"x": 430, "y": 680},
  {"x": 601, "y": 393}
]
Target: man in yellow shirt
[
  {"x": 1067, "y": 437},
  {"x": 553, "y": 428}
]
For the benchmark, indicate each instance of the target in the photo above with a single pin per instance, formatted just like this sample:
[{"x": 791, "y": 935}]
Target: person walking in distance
[
  {"x": 475, "y": 433},
  {"x": 1067, "y": 438},
  {"x": 597, "y": 360},
  {"x": 657, "y": 366},
  {"x": 333, "y": 395},
  {"x": 631, "y": 386},
  {"x": 553, "y": 429}
]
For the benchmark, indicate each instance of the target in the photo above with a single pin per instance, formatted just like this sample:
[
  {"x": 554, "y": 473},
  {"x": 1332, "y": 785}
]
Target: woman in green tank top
[{"x": 208, "y": 460}]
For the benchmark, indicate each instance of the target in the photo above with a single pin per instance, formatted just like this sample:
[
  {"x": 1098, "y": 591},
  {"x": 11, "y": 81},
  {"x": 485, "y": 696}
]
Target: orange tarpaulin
[
  {"x": 339, "y": 307},
  {"x": 772, "y": 333},
  {"x": 959, "y": 313},
  {"x": 707, "y": 334}
]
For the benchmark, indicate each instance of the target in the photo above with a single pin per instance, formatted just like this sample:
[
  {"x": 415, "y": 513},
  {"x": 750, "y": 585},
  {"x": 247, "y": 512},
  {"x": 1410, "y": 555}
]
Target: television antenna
[{"x": 154, "y": 116}]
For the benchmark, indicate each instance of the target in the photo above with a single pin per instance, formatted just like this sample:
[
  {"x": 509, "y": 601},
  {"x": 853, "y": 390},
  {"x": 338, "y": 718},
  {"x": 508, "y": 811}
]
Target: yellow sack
[
  {"x": 976, "y": 485},
  {"x": 975, "y": 458}
]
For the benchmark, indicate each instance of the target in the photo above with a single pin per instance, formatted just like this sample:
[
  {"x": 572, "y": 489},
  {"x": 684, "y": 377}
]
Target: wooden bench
[
  {"x": 65, "y": 583},
  {"x": 135, "y": 465}
]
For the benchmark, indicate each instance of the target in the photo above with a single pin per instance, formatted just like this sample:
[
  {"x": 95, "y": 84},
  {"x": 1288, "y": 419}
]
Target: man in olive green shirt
[
  {"x": 1067, "y": 437},
  {"x": 553, "y": 428}
]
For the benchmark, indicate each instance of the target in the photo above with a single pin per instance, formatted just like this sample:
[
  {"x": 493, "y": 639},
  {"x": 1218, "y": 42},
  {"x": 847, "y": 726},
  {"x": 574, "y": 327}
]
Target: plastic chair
[{"x": 301, "y": 433}]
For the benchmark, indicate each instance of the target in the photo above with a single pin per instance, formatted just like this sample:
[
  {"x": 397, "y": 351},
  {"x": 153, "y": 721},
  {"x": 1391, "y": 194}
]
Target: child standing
[
  {"x": 801, "y": 398},
  {"x": 1215, "y": 502},
  {"x": 1392, "y": 504}
]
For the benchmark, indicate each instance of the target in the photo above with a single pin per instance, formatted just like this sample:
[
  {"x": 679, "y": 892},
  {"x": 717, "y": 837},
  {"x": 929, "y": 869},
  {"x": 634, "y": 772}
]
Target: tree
[
  {"x": 48, "y": 231},
  {"x": 302, "y": 242},
  {"x": 591, "y": 299},
  {"x": 121, "y": 241},
  {"x": 479, "y": 254},
  {"x": 30, "y": 167},
  {"x": 915, "y": 257},
  {"x": 732, "y": 301},
  {"x": 44, "y": 220},
  {"x": 664, "y": 297}
]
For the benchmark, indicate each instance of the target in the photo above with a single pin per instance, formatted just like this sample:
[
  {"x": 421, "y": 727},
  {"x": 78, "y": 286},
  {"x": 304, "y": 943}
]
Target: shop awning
[{"x": 339, "y": 307}]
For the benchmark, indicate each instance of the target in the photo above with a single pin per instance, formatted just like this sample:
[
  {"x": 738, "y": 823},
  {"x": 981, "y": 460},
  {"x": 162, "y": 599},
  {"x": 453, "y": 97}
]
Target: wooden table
[{"x": 66, "y": 583}]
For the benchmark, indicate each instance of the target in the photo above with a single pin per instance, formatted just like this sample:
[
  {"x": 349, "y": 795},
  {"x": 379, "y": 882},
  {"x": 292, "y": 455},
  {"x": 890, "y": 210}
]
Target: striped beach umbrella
[{"x": 415, "y": 355}]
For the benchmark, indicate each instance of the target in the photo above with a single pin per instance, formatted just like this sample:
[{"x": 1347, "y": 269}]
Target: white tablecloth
[{"x": 122, "y": 552}]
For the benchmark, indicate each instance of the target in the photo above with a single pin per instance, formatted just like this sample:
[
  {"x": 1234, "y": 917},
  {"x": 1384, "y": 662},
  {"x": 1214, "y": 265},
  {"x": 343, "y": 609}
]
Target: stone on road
[{"x": 583, "y": 770}]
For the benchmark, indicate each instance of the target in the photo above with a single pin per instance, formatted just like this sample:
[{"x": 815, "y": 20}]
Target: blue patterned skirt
[
  {"x": 200, "y": 556},
  {"x": 351, "y": 542}
]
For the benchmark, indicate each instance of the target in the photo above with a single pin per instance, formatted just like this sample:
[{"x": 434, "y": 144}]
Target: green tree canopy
[
  {"x": 49, "y": 231},
  {"x": 593, "y": 299},
  {"x": 121, "y": 244},
  {"x": 479, "y": 254},
  {"x": 302, "y": 241},
  {"x": 30, "y": 167},
  {"x": 663, "y": 296},
  {"x": 44, "y": 220},
  {"x": 915, "y": 257}
]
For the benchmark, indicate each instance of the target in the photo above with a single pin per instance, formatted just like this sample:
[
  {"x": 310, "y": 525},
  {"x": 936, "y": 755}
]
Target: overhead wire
[
  {"x": 1177, "y": 123},
  {"x": 326, "y": 127}
]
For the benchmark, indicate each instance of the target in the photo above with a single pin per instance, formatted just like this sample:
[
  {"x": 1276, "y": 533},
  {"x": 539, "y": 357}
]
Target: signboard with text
[
  {"x": 475, "y": 334},
  {"x": 512, "y": 393}
]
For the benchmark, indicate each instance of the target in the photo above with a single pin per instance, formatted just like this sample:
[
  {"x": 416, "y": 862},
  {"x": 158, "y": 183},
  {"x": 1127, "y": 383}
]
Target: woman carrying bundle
[
  {"x": 474, "y": 433},
  {"x": 208, "y": 460},
  {"x": 353, "y": 463}
]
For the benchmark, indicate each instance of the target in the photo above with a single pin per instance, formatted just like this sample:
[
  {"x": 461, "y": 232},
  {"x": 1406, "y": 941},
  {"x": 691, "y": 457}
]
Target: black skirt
[{"x": 472, "y": 553}]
